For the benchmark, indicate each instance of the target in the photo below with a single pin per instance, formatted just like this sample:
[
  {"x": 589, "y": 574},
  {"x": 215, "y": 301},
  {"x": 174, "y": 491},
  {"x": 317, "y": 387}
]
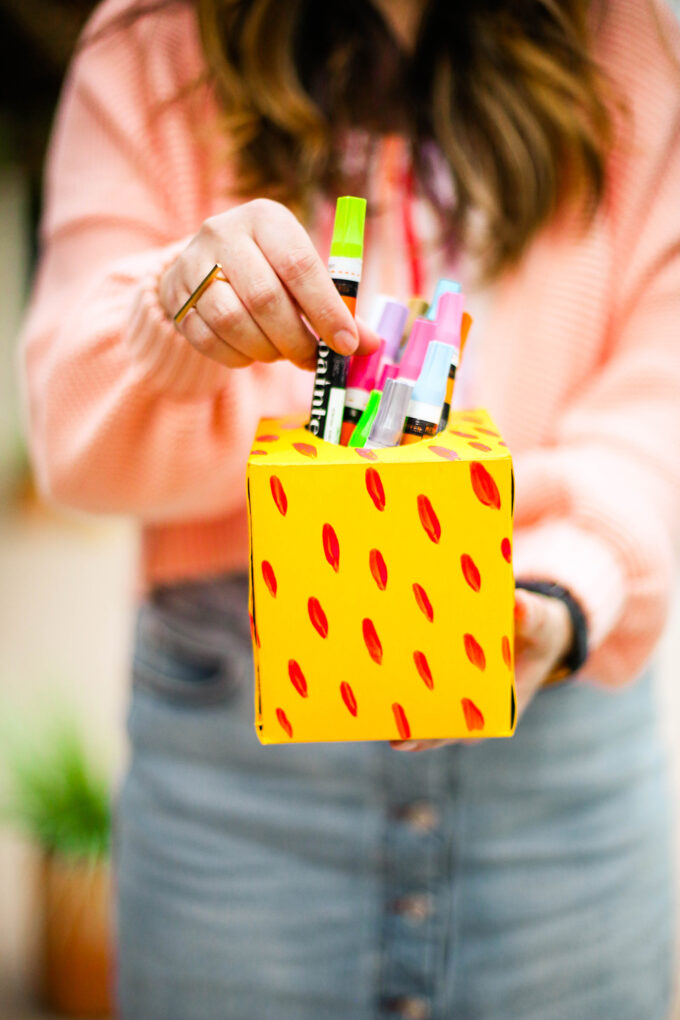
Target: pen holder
[{"x": 381, "y": 585}]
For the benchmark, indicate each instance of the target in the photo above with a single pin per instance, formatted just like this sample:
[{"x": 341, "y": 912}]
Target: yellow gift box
[{"x": 381, "y": 585}]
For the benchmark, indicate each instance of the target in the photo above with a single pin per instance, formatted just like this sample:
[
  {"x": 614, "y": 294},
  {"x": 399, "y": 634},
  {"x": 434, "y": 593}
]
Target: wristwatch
[{"x": 577, "y": 654}]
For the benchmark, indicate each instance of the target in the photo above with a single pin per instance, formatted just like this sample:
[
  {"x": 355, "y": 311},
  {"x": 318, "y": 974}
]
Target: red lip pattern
[
  {"x": 506, "y": 550},
  {"x": 266, "y": 439},
  {"x": 375, "y": 488},
  {"x": 463, "y": 435},
  {"x": 279, "y": 495},
  {"x": 269, "y": 577},
  {"x": 401, "y": 721},
  {"x": 366, "y": 454},
  {"x": 283, "y": 722},
  {"x": 507, "y": 654},
  {"x": 378, "y": 568},
  {"x": 423, "y": 602},
  {"x": 348, "y": 697},
  {"x": 474, "y": 651},
  {"x": 480, "y": 446},
  {"x": 471, "y": 572},
  {"x": 297, "y": 678},
  {"x": 372, "y": 641},
  {"x": 429, "y": 519},
  {"x": 317, "y": 616},
  {"x": 306, "y": 449},
  {"x": 474, "y": 720},
  {"x": 484, "y": 487},
  {"x": 443, "y": 451},
  {"x": 331, "y": 547},
  {"x": 424, "y": 671}
]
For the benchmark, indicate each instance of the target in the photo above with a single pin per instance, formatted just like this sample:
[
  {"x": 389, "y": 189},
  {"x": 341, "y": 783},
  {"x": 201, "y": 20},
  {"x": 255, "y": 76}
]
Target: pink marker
[
  {"x": 363, "y": 371},
  {"x": 386, "y": 372},
  {"x": 413, "y": 357}
]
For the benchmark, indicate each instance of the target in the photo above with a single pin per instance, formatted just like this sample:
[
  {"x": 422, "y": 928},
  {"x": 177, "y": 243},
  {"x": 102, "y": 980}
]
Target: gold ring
[{"x": 193, "y": 298}]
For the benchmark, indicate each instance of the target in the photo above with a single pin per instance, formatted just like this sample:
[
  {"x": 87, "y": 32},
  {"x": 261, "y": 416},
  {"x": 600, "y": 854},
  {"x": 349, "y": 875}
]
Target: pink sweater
[{"x": 580, "y": 358}]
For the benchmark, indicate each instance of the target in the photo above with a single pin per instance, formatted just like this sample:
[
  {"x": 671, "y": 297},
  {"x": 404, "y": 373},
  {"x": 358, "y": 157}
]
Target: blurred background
[{"x": 66, "y": 586}]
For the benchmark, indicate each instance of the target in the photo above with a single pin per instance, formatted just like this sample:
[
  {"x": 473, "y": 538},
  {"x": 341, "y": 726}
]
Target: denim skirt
[{"x": 520, "y": 879}]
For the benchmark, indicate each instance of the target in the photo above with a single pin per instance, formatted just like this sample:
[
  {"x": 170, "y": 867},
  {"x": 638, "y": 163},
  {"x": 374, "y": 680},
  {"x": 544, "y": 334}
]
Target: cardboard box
[{"x": 381, "y": 585}]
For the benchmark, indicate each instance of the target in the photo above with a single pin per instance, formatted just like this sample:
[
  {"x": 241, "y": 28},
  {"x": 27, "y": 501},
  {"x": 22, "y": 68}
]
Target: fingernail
[
  {"x": 407, "y": 745},
  {"x": 345, "y": 341}
]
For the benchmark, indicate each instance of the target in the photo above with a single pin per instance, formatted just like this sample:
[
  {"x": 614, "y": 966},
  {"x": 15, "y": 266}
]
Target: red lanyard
[{"x": 413, "y": 248}]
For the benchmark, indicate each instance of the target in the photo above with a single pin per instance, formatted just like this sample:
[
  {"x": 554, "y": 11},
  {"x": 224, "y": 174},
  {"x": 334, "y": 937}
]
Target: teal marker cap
[
  {"x": 348, "y": 228},
  {"x": 444, "y": 286},
  {"x": 365, "y": 423}
]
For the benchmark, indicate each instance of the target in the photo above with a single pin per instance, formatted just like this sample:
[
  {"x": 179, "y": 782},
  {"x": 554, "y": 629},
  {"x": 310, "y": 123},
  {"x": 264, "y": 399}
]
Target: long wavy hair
[{"x": 507, "y": 91}]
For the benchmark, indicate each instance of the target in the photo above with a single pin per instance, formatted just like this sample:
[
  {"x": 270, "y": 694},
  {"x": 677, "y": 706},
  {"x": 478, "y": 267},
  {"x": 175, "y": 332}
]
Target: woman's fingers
[
  {"x": 268, "y": 305},
  {"x": 204, "y": 339},
  {"x": 291, "y": 254}
]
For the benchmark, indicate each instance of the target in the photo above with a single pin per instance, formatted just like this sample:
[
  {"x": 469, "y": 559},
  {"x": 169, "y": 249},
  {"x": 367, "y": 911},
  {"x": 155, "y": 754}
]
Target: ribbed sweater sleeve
[
  {"x": 604, "y": 498},
  {"x": 124, "y": 415}
]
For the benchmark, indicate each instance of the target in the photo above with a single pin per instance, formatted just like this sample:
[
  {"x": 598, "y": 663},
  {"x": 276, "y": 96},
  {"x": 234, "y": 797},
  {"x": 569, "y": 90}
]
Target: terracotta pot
[{"x": 77, "y": 937}]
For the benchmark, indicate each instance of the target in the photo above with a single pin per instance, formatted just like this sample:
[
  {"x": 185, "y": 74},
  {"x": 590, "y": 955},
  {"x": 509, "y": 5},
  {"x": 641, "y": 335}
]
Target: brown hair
[{"x": 506, "y": 90}]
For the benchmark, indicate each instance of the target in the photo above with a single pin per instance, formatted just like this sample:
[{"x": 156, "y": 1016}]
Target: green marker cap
[
  {"x": 348, "y": 228},
  {"x": 363, "y": 429}
]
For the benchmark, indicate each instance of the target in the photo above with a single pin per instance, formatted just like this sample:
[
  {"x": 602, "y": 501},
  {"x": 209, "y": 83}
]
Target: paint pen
[
  {"x": 377, "y": 305},
  {"x": 464, "y": 330},
  {"x": 389, "y": 422},
  {"x": 391, "y": 328},
  {"x": 344, "y": 265},
  {"x": 444, "y": 286},
  {"x": 425, "y": 406},
  {"x": 365, "y": 423},
  {"x": 449, "y": 321},
  {"x": 422, "y": 334},
  {"x": 417, "y": 307},
  {"x": 386, "y": 372},
  {"x": 361, "y": 379}
]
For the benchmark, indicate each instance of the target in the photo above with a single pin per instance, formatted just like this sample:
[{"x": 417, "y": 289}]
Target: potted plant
[{"x": 62, "y": 802}]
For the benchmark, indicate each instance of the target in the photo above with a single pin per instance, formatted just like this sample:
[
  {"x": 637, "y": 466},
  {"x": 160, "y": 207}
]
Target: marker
[
  {"x": 363, "y": 428},
  {"x": 422, "y": 334},
  {"x": 377, "y": 305},
  {"x": 444, "y": 286},
  {"x": 391, "y": 328},
  {"x": 425, "y": 406},
  {"x": 449, "y": 320},
  {"x": 361, "y": 379},
  {"x": 389, "y": 421},
  {"x": 464, "y": 330},
  {"x": 386, "y": 372},
  {"x": 417, "y": 307},
  {"x": 344, "y": 265}
]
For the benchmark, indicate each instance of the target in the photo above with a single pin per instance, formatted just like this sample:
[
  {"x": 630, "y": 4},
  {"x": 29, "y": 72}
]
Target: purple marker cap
[
  {"x": 363, "y": 369},
  {"x": 449, "y": 318},
  {"x": 391, "y": 326},
  {"x": 412, "y": 360},
  {"x": 388, "y": 372}
]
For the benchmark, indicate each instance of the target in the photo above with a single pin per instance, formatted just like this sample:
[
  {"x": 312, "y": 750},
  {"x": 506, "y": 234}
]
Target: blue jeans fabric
[{"x": 525, "y": 878}]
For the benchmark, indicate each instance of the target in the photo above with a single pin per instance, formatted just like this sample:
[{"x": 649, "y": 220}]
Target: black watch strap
[{"x": 578, "y": 653}]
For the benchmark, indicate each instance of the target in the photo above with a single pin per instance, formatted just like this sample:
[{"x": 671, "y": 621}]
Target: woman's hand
[
  {"x": 543, "y": 636},
  {"x": 275, "y": 275}
]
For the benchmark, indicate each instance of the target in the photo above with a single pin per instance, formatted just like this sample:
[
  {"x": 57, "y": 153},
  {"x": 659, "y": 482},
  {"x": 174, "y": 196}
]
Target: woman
[{"x": 524, "y": 878}]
